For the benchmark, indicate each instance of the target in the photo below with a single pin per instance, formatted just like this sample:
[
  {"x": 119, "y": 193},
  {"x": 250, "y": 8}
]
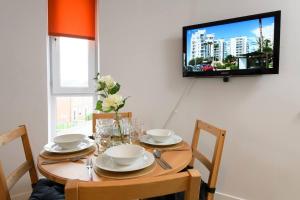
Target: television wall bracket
[{"x": 226, "y": 78}]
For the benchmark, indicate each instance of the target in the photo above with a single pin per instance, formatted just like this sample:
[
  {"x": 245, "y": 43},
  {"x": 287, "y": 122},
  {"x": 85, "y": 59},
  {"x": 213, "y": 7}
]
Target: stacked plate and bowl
[
  {"x": 160, "y": 137},
  {"x": 124, "y": 158},
  {"x": 68, "y": 143}
]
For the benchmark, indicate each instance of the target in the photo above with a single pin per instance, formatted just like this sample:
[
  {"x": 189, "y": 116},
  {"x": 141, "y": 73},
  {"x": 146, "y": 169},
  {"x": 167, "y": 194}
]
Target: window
[
  {"x": 72, "y": 85},
  {"x": 73, "y": 61},
  {"x": 73, "y": 65},
  {"x": 73, "y": 114}
]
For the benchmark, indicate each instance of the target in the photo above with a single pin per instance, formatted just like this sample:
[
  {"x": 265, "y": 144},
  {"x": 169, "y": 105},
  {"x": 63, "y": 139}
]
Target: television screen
[{"x": 239, "y": 46}]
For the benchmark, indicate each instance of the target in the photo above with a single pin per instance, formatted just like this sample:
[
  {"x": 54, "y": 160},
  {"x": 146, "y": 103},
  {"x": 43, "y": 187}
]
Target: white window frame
[{"x": 56, "y": 89}]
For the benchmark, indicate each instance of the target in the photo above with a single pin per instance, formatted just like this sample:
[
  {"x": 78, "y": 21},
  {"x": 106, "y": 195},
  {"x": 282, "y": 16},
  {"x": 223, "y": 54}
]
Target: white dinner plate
[
  {"x": 174, "y": 139},
  {"x": 55, "y": 148},
  {"x": 106, "y": 163}
]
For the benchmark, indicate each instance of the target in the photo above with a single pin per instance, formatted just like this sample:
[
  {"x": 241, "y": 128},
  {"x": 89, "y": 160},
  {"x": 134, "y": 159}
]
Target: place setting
[
  {"x": 163, "y": 140},
  {"x": 140, "y": 157},
  {"x": 124, "y": 161},
  {"x": 160, "y": 137},
  {"x": 67, "y": 147}
]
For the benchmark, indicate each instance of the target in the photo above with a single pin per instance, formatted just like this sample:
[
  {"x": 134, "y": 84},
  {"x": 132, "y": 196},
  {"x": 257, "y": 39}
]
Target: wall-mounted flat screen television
[{"x": 239, "y": 46}]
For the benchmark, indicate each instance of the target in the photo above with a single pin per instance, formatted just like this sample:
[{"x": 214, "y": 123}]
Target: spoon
[{"x": 157, "y": 155}]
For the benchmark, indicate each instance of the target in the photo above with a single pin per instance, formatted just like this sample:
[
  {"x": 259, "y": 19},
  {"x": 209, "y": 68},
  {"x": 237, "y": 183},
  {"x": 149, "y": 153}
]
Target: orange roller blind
[{"x": 72, "y": 18}]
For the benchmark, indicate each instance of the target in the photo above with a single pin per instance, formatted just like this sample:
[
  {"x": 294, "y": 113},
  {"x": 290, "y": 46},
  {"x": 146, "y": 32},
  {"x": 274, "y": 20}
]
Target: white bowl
[
  {"x": 160, "y": 135},
  {"x": 68, "y": 141},
  {"x": 125, "y": 154}
]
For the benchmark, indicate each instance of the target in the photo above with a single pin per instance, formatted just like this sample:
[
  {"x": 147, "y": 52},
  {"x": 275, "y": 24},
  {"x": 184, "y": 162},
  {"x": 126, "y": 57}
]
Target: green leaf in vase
[
  {"x": 102, "y": 86},
  {"x": 103, "y": 95},
  {"x": 97, "y": 76},
  {"x": 99, "y": 105},
  {"x": 109, "y": 110},
  {"x": 120, "y": 106},
  {"x": 115, "y": 89}
]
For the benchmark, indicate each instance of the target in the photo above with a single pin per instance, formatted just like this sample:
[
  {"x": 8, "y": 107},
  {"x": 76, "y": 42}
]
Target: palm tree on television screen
[{"x": 261, "y": 35}]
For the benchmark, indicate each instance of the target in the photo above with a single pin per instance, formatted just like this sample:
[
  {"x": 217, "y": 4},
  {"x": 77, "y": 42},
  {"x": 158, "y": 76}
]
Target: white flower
[
  {"x": 112, "y": 101},
  {"x": 108, "y": 80}
]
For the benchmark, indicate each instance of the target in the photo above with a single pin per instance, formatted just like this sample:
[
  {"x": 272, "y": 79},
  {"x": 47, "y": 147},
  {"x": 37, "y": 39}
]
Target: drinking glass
[
  {"x": 127, "y": 129},
  {"x": 103, "y": 134},
  {"x": 138, "y": 130}
]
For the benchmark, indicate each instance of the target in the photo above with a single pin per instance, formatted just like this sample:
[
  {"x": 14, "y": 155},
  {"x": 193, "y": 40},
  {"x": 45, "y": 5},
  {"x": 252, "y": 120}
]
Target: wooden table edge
[
  {"x": 50, "y": 176},
  {"x": 62, "y": 180}
]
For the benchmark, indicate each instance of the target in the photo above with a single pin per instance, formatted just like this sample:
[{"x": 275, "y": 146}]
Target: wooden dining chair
[
  {"x": 108, "y": 116},
  {"x": 214, "y": 164},
  {"x": 7, "y": 183},
  {"x": 129, "y": 189}
]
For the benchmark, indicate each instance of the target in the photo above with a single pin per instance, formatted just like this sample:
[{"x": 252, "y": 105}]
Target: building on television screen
[
  {"x": 206, "y": 46},
  {"x": 210, "y": 50}
]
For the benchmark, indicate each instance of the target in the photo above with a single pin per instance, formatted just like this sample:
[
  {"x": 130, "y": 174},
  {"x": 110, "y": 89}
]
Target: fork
[
  {"x": 161, "y": 161},
  {"x": 47, "y": 162},
  {"x": 166, "y": 149},
  {"x": 89, "y": 166}
]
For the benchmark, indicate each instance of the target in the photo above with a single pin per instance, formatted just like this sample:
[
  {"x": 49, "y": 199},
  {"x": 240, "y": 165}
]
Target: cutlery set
[{"x": 89, "y": 166}]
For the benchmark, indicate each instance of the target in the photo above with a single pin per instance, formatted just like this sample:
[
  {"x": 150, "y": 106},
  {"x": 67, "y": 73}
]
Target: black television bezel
[{"x": 276, "y": 47}]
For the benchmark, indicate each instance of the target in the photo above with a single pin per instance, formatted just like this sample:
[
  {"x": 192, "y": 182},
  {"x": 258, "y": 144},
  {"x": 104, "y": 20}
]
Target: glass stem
[{"x": 119, "y": 125}]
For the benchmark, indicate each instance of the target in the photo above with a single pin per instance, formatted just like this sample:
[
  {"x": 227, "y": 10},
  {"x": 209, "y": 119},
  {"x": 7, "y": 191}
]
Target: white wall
[
  {"x": 140, "y": 43},
  {"x": 23, "y": 77}
]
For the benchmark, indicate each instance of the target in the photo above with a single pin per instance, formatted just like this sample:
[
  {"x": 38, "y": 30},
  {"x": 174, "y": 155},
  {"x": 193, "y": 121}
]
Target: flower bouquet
[{"x": 109, "y": 100}]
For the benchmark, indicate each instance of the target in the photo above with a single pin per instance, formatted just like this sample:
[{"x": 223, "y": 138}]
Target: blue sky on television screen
[{"x": 249, "y": 29}]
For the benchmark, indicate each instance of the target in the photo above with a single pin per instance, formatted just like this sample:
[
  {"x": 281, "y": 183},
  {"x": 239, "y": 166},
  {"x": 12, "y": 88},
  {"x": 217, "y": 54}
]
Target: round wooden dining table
[{"x": 64, "y": 171}]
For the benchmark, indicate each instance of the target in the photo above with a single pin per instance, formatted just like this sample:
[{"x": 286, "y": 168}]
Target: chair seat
[{"x": 45, "y": 189}]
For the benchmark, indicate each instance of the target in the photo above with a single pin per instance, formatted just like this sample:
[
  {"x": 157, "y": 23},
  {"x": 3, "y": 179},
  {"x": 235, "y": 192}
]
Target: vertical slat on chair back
[
  {"x": 6, "y": 183},
  {"x": 214, "y": 164},
  {"x": 188, "y": 182},
  {"x": 108, "y": 116},
  {"x": 3, "y": 185}
]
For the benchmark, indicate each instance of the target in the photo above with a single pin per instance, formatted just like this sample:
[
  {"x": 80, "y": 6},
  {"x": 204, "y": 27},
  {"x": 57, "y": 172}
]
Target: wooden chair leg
[
  {"x": 71, "y": 190},
  {"x": 210, "y": 196},
  {"x": 194, "y": 186}
]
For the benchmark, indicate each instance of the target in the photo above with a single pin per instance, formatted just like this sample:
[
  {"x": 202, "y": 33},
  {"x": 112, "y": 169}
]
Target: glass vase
[{"x": 119, "y": 136}]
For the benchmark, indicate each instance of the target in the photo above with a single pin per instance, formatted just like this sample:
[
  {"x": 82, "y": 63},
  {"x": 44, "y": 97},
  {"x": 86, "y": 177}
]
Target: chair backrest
[
  {"x": 108, "y": 116},
  {"x": 6, "y": 183},
  {"x": 187, "y": 182},
  {"x": 214, "y": 164}
]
